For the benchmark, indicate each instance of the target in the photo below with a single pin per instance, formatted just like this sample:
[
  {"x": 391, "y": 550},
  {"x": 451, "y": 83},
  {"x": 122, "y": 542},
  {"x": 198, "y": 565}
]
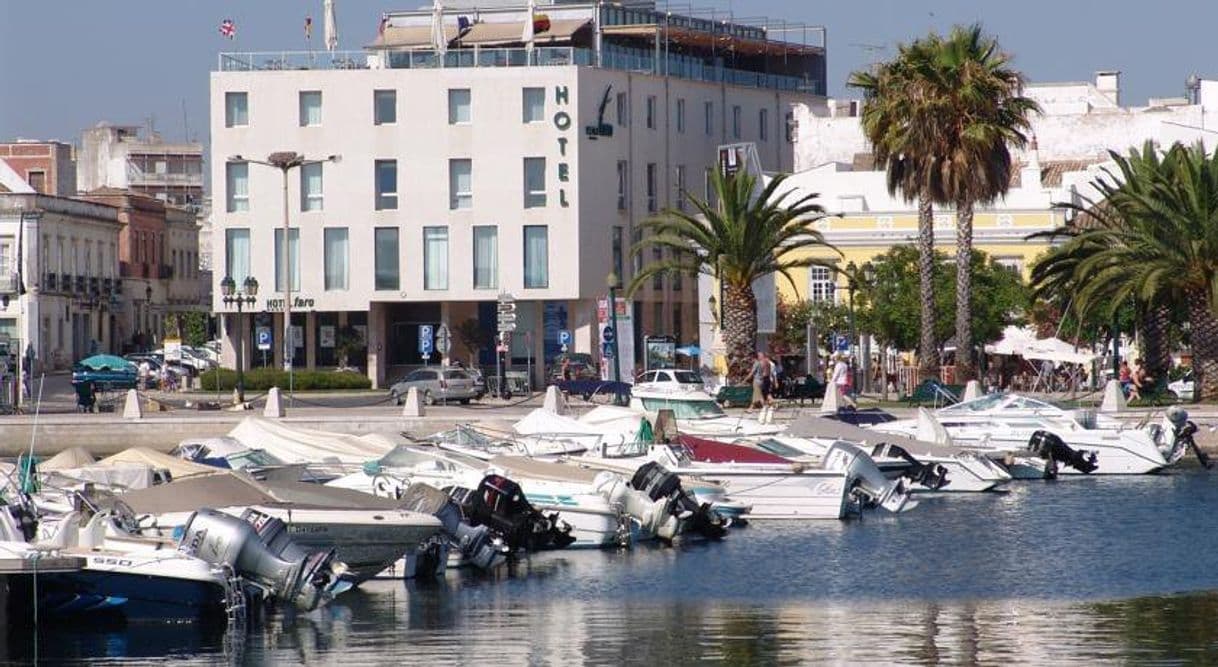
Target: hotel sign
[
  {"x": 562, "y": 122},
  {"x": 298, "y": 303}
]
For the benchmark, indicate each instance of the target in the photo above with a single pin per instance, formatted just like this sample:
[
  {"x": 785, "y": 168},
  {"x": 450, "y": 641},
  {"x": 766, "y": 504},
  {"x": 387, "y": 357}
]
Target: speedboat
[
  {"x": 1031, "y": 436},
  {"x": 368, "y": 534}
]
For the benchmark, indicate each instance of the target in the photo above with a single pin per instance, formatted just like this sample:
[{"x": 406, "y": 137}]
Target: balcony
[{"x": 49, "y": 282}]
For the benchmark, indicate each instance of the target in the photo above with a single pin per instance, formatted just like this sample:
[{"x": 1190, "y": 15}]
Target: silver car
[{"x": 436, "y": 385}]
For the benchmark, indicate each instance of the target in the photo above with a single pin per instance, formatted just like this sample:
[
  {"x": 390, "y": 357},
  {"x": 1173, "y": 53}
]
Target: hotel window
[
  {"x": 310, "y": 187},
  {"x": 458, "y": 106},
  {"x": 533, "y": 105},
  {"x": 386, "y": 184},
  {"x": 763, "y": 124},
  {"x": 384, "y": 107},
  {"x": 617, "y": 251},
  {"x": 653, "y": 203},
  {"x": 708, "y": 110},
  {"x": 486, "y": 257},
  {"x": 435, "y": 258},
  {"x": 623, "y": 110},
  {"x": 460, "y": 183},
  {"x": 310, "y": 108},
  {"x": 237, "y": 186},
  {"x": 293, "y": 258},
  {"x": 680, "y": 115},
  {"x": 708, "y": 187},
  {"x": 534, "y": 182},
  {"x": 821, "y": 287},
  {"x": 657, "y": 256},
  {"x": 623, "y": 185},
  {"x": 236, "y": 110},
  {"x": 536, "y": 256},
  {"x": 651, "y": 112},
  {"x": 237, "y": 254},
  {"x": 336, "y": 250},
  {"x": 736, "y": 122},
  {"x": 385, "y": 240},
  {"x": 680, "y": 186}
]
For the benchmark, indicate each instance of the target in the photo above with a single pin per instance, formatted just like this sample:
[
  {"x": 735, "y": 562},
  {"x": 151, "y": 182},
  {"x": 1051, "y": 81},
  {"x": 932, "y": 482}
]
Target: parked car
[
  {"x": 436, "y": 385},
  {"x": 1183, "y": 388},
  {"x": 670, "y": 378}
]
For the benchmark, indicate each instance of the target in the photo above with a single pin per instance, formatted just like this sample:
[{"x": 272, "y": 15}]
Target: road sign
[
  {"x": 607, "y": 335},
  {"x": 564, "y": 337},
  {"x": 443, "y": 339},
  {"x": 263, "y": 336},
  {"x": 842, "y": 343},
  {"x": 426, "y": 339},
  {"x": 607, "y": 350}
]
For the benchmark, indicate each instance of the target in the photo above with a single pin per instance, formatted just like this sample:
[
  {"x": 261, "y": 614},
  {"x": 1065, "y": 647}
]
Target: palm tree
[
  {"x": 1152, "y": 238},
  {"x": 943, "y": 117},
  {"x": 745, "y": 237}
]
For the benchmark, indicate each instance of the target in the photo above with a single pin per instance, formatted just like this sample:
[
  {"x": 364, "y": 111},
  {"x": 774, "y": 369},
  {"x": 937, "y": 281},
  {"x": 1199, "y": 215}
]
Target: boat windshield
[
  {"x": 999, "y": 402},
  {"x": 253, "y": 458},
  {"x": 403, "y": 456},
  {"x": 684, "y": 409},
  {"x": 778, "y": 448},
  {"x": 687, "y": 377}
]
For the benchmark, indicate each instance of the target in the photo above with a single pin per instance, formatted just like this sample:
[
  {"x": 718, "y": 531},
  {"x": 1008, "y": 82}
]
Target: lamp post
[
  {"x": 851, "y": 285},
  {"x": 228, "y": 287},
  {"x": 613, "y": 283},
  {"x": 148, "y": 317},
  {"x": 286, "y": 161}
]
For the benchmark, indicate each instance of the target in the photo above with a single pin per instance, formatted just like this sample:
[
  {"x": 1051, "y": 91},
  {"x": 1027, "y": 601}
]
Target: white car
[
  {"x": 1183, "y": 388},
  {"x": 670, "y": 378}
]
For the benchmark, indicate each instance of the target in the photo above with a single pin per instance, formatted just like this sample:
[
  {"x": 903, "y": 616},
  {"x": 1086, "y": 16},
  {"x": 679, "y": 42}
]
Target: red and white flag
[
  {"x": 308, "y": 27},
  {"x": 228, "y": 28}
]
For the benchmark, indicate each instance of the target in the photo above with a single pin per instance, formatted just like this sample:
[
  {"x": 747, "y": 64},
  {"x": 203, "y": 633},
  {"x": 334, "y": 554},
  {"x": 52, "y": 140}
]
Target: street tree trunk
[
  {"x": 739, "y": 331},
  {"x": 965, "y": 368},
  {"x": 1156, "y": 351},
  {"x": 928, "y": 351},
  {"x": 1203, "y": 331}
]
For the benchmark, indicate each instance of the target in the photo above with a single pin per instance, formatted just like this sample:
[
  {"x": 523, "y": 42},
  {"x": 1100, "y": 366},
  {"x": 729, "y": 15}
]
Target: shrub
[{"x": 261, "y": 379}]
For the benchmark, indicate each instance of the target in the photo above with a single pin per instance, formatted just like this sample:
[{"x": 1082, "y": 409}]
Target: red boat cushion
[{"x": 713, "y": 451}]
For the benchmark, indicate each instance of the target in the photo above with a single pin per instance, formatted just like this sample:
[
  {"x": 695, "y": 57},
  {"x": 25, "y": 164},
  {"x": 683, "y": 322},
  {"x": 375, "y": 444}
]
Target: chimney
[{"x": 1108, "y": 82}]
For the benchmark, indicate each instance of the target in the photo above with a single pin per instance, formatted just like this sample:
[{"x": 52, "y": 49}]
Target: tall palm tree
[
  {"x": 747, "y": 236},
  {"x": 1153, "y": 238},
  {"x": 899, "y": 122}
]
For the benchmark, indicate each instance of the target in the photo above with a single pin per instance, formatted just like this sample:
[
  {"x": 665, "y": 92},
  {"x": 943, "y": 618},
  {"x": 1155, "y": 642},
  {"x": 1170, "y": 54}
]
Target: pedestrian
[
  {"x": 144, "y": 371},
  {"x": 1139, "y": 378},
  {"x": 1125, "y": 377},
  {"x": 841, "y": 380},
  {"x": 767, "y": 379},
  {"x": 755, "y": 373},
  {"x": 566, "y": 369}
]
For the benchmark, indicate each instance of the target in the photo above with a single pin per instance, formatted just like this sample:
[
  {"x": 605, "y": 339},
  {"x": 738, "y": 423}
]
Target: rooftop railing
[{"x": 292, "y": 60}]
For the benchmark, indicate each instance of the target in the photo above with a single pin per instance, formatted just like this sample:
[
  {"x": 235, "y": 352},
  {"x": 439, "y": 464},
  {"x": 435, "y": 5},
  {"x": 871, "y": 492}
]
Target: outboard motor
[
  {"x": 1054, "y": 450},
  {"x": 478, "y": 545},
  {"x": 308, "y": 582},
  {"x": 931, "y": 476},
  {"x": 499, "y": 504},
  {"x": 652, "y": 515},
  {"x": 660, "y": 483},
  {"x": 1184, "y": 434},
  {"x": 868, "y": 485},
  {"x": 1175, "y": 436}
]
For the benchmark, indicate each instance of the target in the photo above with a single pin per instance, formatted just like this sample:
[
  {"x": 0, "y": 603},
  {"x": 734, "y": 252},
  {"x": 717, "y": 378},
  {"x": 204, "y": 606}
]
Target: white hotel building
[{"x": 489, "y": 169}]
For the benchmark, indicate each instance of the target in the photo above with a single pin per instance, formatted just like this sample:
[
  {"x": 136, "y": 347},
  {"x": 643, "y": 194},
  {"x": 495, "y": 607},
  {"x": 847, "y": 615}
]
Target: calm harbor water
[{"x": 1080, "y": 571}]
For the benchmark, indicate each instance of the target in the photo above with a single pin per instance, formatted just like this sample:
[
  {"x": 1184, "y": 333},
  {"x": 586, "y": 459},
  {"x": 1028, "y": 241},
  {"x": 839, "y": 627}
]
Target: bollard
[
  {"x": 555, "y": 402},
  {"x": 132, "y": 408},
  {"x": 1114, "y": 397},
  {"x": 274, "y": 404},
  {"x": 413, "y": 407}
]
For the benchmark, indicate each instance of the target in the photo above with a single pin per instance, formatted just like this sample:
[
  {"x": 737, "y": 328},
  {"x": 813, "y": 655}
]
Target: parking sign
[{"x": 426, "y": 339}]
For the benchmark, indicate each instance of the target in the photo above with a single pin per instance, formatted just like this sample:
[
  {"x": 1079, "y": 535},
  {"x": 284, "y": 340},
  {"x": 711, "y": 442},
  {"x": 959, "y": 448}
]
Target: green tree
[
  {"x": 1151, "y": 237},
  {"x": 791, "y": 334},
  {"x": 473, "y": 337},
  {"x": 347, "y": 342},
  {"x": 943, "y": 117},
  {"x": 753, "y": 232}
]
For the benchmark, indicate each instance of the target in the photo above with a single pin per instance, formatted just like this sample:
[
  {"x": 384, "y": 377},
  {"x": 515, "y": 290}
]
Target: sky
[{"x": 67, "y": 64}]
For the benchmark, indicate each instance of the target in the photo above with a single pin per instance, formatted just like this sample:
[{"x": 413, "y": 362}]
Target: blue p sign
[
  {"x": 564, "y": 337},
  {"x": 426, "y": 338}
]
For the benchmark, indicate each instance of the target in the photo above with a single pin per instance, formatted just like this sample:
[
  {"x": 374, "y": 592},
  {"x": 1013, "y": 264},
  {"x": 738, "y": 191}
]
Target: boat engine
[
  {"x": 931, "y": 476},
  {"x": 479, "y": 546},
  {"x": 499, "y": 504},
  {"x": 1054, "y": 450},
  {"x": 652, "y": 516},
  {"x": 241, "y": 544},
  {"x": 868, "y": 485},
  {"x": 1175, "y": 437},
  {"x": 659, "y": 483}
]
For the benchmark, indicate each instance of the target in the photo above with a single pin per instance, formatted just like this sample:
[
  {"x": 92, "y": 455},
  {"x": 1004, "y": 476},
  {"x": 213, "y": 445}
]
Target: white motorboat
[
  {"x": 1003, "y": 426},
  {"x": 368, "y": 534}
]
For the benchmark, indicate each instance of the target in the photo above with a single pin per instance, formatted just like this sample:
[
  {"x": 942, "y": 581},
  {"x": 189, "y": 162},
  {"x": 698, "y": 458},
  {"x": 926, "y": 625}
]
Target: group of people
[
  {"x": 1133, "y": 380},
  {"x": 767, "y": 377}
]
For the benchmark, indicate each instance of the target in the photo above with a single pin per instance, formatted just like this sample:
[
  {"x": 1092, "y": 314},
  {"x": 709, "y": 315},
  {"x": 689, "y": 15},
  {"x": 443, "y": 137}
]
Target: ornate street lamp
[
  {"x": 614, "y": 283},
  {"x": 228, "y": 288}
]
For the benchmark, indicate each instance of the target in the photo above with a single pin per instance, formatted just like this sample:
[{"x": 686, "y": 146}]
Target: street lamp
[
  {"x": 614, "y": 283},
  {"x": 851, "y": 285},
  {"x": 286, "y": 161},
  {"x": 148, "y": 317},
  {"x": 228, "y": 288}
]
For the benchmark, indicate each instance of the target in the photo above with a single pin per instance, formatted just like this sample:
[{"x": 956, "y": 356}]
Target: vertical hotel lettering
[{"x": 562, "y": 121}]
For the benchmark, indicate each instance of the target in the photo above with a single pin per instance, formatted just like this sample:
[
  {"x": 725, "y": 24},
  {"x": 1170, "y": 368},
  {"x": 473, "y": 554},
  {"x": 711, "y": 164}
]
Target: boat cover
[
  {"x": 713, "y": 451},
  {"x": 153, "y": 459},
  {"x": 542, "y": 421},
  {"x": 302, "y": 445},
  {"x": 810, "y": 426},
  {"x": 230, "y": 488},
  {"x": 72, "y": 457},
  {"x": 116, "y": 476},
  {"x": 521, "y": 466}
]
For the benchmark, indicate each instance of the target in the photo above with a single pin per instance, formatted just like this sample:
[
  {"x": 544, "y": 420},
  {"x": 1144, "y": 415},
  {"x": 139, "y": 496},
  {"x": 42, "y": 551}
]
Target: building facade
[
  {"x": 485, "y": 169},
  {"x": 123, "y": 157},
  {"x": 49, "y": 167}
]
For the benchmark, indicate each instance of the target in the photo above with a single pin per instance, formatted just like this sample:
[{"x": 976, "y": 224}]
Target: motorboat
[
  {"x": 696, "y": 412},
  {"x": 1003, "y": 426},
  {"x": 369, "y": 534}
]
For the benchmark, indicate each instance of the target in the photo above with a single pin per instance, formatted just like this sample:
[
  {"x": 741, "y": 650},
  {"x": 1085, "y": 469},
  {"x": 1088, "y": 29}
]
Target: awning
[
  {"x": 502, "y": 34},
  {"x": 719, "y": 41},
  {"x": 410, "y": 37}
]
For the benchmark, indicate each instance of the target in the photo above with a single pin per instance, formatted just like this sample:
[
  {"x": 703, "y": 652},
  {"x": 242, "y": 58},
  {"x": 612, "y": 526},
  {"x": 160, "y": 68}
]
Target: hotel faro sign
[{"x": 562, "y": 122}]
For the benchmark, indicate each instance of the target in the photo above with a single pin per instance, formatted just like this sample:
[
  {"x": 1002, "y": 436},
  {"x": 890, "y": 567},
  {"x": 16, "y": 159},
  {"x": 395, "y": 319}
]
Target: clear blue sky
[{"x": 66, "y": 64}]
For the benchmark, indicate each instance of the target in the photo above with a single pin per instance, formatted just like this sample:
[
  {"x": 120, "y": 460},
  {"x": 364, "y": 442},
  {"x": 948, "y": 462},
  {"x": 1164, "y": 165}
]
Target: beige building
[{"x": 490, "y": 168}]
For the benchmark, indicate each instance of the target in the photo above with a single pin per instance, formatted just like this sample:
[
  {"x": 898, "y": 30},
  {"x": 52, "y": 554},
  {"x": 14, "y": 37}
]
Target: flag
[
  {"x": 228, "y": 28},
  {"x": 308, "y": 27},
  {"x": 439, "y": 41},
  {"x": 527, "y": 35},
  {"x": 380, "y": 30},
  {"x": 330, "y": 22}
]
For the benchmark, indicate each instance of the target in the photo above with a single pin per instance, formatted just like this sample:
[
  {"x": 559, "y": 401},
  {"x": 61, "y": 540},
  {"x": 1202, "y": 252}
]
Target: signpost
[
  {"x": 443, "y": 342},
  {"x": 564, "y": 339},
  {"x": 506, "y": 309},
  {"x": 426, "y": 336}
]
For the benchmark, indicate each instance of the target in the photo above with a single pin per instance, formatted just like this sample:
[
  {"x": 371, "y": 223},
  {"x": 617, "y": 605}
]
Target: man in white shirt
[{"x": 841, "y": 380}]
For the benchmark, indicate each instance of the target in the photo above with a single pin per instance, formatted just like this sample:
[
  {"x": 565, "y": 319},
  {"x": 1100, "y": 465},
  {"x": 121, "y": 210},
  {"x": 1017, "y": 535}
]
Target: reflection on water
[{"x": 1079, "y": 572}]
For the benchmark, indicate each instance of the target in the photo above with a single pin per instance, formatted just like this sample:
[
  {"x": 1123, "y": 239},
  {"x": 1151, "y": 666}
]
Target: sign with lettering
[
  {"x": 601, "y": 128},
  {"x": 298, "y": 303},
  {"x": 562, "y": 121}
]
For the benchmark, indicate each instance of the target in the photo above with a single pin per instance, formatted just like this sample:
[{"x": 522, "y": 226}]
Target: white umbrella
[
  {"x": 331, "y": 25},
  {"x": 439, "y": 41},
  {"x": 526, "y": 35}
]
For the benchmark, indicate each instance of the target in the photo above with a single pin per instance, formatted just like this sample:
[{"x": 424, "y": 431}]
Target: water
[{"x": 1080, "y": 571}]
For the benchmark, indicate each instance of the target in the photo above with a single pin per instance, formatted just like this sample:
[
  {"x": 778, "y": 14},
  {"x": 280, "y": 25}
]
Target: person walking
[
  {"x": 756, "y": 372},
  {"x": 767, "y": 379},
  {"x": 841, "y": 381}
]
